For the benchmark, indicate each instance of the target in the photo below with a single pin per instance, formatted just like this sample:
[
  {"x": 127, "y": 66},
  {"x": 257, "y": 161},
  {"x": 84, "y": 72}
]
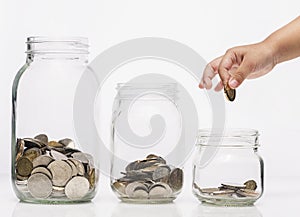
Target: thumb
[{"x": 240, "y": 74}]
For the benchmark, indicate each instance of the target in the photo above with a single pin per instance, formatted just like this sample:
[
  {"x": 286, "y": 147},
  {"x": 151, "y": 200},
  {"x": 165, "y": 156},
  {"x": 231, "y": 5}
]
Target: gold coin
[
  {"x": 92, "y": 177},
  {"x": 32, "y": 153},
  {"x": 24, "y": 166},
  {"x": 230, "y": 93},
  {"x": 20, "y": 148},
  {"x": 251, "y": 185},
  {"x": 55, "y": 144}
]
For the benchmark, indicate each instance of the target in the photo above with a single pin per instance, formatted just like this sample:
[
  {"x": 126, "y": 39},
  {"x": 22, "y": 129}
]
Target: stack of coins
[
  {"x": 228, "y": 190},
  {"x": 149, "y": 178},
  {"x": 54, "y": 169}
]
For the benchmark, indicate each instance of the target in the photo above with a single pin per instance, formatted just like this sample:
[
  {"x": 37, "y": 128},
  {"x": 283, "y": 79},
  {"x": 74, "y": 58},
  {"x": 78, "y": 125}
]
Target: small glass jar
[
  {"x": 227, "y": 167},
  {"x": 49, "y": 165},
  {"x": 145, "y": 128}
]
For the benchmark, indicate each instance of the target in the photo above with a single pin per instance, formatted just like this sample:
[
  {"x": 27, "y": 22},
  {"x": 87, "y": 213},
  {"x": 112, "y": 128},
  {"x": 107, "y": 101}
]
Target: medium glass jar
[
  {"x": 146, "y": 124},
  {"x": 49, "y": 165},
  {"x": 227, "y": 167}
]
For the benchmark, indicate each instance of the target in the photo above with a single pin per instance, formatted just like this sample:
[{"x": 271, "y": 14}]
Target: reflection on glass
[
  {"x": 152, "y": 210},
  {"x": 38, "y": 210},
  {"x": 206, "y": 210}
]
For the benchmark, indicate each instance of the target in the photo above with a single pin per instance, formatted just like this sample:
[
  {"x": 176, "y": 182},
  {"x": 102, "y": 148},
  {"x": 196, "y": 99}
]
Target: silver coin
[
  {"x": 57, "y": 155},
  {"x": 81, "y": 157},
  {"x": 77, "y": 188},
  {"x": 223, "y": 192},
  {"x": 39, "y": 185},
  {"x": 74, "y": 168},
  {"x": 161, "y": 172},
  {"x": 247, "y": 193},
  {"x": 42, "y": 138},
  {"x": 31, "y": 143},
  {"x": 79, "y": 166},
  {"x": 140, "y": 192},
  {"x": 160, "y": 189},
  {"x": 43, "y": 170},
  {"x": 43, "y": 160},
  {"x": 176, "y": 179},
  {"x": 67, "y": 143},
  {"x": 209, "y": 190},
  {"x": 232, "y": 186},
  {"x": 61, "y": 172},
  {"x": 130, "y": 188}
]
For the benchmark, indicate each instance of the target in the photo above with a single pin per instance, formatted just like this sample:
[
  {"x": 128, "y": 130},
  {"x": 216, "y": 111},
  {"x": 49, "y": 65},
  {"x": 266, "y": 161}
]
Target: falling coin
[
  {"x": 77, "y": 188},
  {"x": 230, "y": 93},
  {"x": 39, "y": 185}
]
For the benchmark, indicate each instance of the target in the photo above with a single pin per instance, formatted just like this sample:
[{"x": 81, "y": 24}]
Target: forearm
[{"x": 285, "y": 42}]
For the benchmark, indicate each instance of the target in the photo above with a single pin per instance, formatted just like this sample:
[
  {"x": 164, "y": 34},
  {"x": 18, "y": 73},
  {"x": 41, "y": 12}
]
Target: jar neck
[
  {"x": 147, "y": 91},
  {"x": 47, "y": 48},
  {"x": 232, "y": 138}
]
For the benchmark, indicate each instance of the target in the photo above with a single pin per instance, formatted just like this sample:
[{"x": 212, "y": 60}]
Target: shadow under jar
[
  {"x": 227, "y": 168},
  {"x": 48, "y": 164},
  {"x": 145, "y": 125}
]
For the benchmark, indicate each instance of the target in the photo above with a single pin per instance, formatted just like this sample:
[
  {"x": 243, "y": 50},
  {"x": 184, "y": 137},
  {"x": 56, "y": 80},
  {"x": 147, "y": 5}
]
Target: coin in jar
[
  {"x": 32, "y": 153},
  {"x": 61, "y": 172},
  {"x": 39, "y": 185},
  {"x": 20, "y": 148},
  {"x": 230, "y": 93},
  {"x": 43, "y": 170},
  {"x": 77, "y": 188},
  {"x": 24, "y": 166},
  {"x": 160, "y": 189},
  {"x": 130, "y": 188},
  {"x": 250, "y": 184},
  {"x": 67, "y": 143},
  {"x": 161, "y": 172},
  {"x": 176, "y": 179},
  {"x": 42, "y": 138},
  {"x": 43, "y": 160}
]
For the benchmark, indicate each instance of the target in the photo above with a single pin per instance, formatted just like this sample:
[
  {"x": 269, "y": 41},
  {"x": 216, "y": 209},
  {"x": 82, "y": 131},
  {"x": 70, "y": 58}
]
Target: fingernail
[{"x": 233, "y": 83}]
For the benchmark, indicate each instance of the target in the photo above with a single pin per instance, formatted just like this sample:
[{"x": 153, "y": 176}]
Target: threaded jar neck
[
  {"x": 231, "y": 138},
  {"x": 66, "y": 47},
  {"x": 148, "y": 91}
]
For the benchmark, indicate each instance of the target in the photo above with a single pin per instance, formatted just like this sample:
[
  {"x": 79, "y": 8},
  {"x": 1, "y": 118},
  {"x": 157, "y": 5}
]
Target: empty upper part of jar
[{"x": 236, "y": 137}]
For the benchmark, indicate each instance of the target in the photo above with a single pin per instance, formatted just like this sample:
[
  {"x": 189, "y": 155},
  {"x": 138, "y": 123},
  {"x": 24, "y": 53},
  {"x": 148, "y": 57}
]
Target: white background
[{"x": 270, "y": 104}]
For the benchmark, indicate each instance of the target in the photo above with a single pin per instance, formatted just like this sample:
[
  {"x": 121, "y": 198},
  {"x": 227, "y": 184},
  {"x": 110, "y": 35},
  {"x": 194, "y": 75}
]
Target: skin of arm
[{"x": 254, "y": 60}]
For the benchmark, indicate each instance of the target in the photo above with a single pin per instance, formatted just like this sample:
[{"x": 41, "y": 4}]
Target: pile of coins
[
  {"x": 150, "y": 178},
  {"x": 228, "y": 190},
  {"x": 50, "y": 169}
]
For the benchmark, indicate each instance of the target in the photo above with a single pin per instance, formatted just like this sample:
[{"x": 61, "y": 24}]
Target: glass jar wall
[
  {"x": 145, "y": 126},
  {"x": 227, "y": 167},
  {"x": 49, "y": 165}
]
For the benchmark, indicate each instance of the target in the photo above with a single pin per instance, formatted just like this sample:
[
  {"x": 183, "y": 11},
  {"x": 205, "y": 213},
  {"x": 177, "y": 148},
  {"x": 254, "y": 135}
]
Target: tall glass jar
[
  {"x": 48, "y": 163},
  {"x": 145, "y": 128},
  {"x": 227, "y": 167}
]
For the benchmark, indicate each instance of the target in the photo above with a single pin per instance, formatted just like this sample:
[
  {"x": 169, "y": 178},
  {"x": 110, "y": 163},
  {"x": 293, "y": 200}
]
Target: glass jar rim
[
  {"x": 41, "y": 39},
  {"x": 245, "y": 137},
  {"x": 57, "y": 45},
  {"x": 134, "y": 89}
]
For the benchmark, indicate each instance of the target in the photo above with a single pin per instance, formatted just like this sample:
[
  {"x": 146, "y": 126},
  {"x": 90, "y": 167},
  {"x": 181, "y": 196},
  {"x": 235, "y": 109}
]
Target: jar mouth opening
[
  {"x": 232, "y": 137},
  {"x": 57, "y": 45},
  {"x": 155, "y": 91},
  {"x": 231, "y": 132}
]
